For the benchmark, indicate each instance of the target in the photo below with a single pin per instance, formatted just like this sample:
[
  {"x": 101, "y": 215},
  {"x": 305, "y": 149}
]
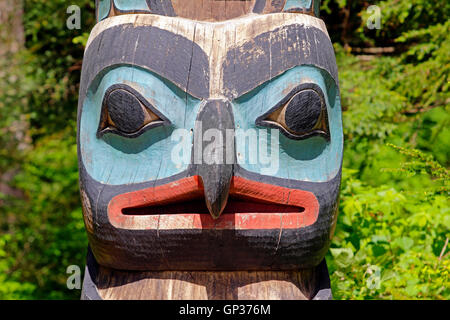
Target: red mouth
[{"x": 180, "y": 205}]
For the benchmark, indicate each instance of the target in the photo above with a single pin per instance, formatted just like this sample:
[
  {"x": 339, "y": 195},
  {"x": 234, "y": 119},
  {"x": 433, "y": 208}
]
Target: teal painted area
[
  {"x": 297, "y": 4},
  {"x": 131, "y": 5},
  {"x": 113, "y": 159},
  {"x": 312, "y": 159},
  {"x": 103, "y": 8}
]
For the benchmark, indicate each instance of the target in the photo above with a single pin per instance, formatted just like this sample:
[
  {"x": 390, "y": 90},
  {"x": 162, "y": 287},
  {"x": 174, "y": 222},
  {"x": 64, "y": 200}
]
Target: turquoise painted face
[
  {"x": 115, "y": 159},
  {"x": 316, "y": 158},
  {"x": 104, "y": 7},
  {"x": 259, "y": 103},
  {"x": 124, "y": 160}
]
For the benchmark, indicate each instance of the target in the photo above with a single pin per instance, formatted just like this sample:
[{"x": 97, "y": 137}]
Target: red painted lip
[{"x": 180, "y": 205}]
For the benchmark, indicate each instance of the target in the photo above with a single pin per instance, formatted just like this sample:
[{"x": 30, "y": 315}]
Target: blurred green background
[{"x": 393, "y": 228}]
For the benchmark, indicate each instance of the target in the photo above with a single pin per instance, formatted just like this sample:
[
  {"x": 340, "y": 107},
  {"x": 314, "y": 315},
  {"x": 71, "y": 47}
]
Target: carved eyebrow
[
  {"x": 148, "y": 47},
  {"x": 272, "y": 53}
]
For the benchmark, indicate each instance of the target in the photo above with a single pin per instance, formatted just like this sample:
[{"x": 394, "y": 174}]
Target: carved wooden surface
[
  {"x": 189, "y": 230},
  {"x": 108, "y": 284},
  {"x": 226, "y": 61},
  {"x": 179, "y": 285}
]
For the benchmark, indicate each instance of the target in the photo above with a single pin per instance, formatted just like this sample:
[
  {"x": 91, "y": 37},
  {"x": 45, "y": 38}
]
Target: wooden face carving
[{"x": 261, "y": 80}]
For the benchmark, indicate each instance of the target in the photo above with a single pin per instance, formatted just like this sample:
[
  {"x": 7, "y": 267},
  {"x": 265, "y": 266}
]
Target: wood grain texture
[
  {"x": 101, "y": 283},
  {"x": 178, "y": 285},
  {"x": 226, "y": 55},
  {"x": 212, "y": 10}
]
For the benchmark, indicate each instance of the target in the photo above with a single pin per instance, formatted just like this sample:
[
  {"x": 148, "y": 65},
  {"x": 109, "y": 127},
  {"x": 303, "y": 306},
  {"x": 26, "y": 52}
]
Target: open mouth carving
[
  {"x": 234, "y": 206},
  {"x": 181, "y": 205}
]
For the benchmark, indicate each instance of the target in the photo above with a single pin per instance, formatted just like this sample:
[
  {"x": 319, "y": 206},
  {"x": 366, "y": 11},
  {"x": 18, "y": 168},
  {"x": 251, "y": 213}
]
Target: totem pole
[{"x": 210, "y": 150}]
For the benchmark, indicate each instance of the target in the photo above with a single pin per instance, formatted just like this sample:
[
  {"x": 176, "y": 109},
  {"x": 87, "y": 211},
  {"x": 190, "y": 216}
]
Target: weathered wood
[
  {"x": 179, "y": 285},
  {"x": 226, "y": 77},
  {"x": 110, "y": 284}
]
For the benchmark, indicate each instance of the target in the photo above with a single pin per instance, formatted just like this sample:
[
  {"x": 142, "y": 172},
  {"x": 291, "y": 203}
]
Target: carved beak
[
  {"x": 216, "y": 183},
  {"x": 214, "y": 153}
]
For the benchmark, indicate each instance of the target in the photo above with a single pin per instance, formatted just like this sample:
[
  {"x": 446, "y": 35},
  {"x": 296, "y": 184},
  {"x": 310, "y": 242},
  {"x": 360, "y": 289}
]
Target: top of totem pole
[{"x": 205, "y": 10}]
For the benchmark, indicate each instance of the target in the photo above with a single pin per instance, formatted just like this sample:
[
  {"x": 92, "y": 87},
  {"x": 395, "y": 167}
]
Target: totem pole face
[{"x": 210, "y": 135}]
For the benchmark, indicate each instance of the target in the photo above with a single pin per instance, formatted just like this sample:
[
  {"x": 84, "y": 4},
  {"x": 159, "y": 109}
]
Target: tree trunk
[{"x": 11, "y": 27}]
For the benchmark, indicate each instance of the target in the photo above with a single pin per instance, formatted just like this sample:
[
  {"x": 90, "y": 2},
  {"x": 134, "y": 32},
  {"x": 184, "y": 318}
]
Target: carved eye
[
  {"x": 125, "y": 112},
  {"x": 300, "y": 115}
]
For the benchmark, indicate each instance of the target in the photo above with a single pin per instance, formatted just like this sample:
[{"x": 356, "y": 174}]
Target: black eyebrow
[
  {"x": 272, "y": 53},
  {"x": 149, "y": 48}
]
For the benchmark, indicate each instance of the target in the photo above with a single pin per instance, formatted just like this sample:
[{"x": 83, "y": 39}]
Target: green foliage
[
  {"x": 393, "y": 229},
  {"x": 47, "y": 232},
  {"x": 11, "y": 288},
  {"x": 399, "y": 17},
  {"x": 392, "y": 233},
  {"x": 41, "y": 229},
  {"x": 55, "y": 61},
  {"x": 399, "y": 233}
]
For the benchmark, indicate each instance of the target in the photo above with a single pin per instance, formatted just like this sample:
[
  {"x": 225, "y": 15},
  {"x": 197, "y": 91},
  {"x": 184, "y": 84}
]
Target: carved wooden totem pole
[{"x": 210, "y": 150}]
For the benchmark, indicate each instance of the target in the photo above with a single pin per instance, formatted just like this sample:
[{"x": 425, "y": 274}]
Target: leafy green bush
[
  {"x": 390, "y": 244},
  {"x": 392, "y": 236},
  {"x": 47, "y": 231}
]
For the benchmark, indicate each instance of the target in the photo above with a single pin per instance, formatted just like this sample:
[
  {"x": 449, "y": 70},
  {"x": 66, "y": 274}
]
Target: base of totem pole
[{"x": 102, "y": 283}]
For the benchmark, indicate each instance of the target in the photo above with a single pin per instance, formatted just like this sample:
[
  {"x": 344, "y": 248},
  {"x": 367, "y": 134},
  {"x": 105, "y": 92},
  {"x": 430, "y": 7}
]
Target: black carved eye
[
  {"x": 300, "y": 115},
  {"x": 125, "y": 112},
  {"x": 303, "y": 111}
]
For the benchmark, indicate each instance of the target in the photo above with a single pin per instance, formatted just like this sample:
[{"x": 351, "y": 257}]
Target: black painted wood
[
  {"x": 216, "y": 173},
  {"x": 303, "y": 111},
  {"x": 243, "y": 70},
  {"x": 177, "y": 59},
  {"x": 264, "y": 120},
  {"x": 210, "y": 249},
  {"x": 125, "y": 111},
  {"x": 147, "y": 47},
  {"x": 162, "y": 7}
]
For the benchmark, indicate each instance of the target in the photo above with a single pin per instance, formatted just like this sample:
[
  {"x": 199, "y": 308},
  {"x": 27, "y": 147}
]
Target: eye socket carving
[
  {"x": 300, "y": 115},
  {"x": 126, "y": 113}
]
